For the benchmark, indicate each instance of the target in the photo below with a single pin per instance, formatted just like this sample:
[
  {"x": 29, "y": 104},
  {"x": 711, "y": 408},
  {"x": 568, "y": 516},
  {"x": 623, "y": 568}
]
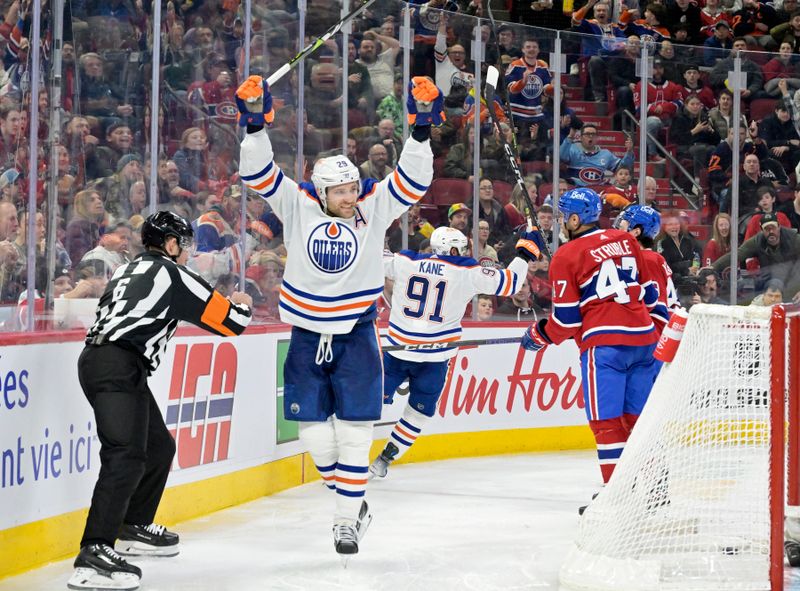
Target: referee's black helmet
[{"x": 163, "y": 224}]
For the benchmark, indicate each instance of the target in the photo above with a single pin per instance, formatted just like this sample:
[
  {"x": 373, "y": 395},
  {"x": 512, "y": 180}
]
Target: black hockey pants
[{"x": 136, "y": 450}]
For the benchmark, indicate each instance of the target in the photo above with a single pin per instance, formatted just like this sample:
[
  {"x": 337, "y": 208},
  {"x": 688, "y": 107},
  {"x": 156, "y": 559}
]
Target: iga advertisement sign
[{"x": 215, "y": 394}]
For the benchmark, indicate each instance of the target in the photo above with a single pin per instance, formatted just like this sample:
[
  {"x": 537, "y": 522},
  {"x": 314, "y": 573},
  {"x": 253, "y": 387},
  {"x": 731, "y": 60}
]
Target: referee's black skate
[
  {"x": 380, "y": 466},
  {"x": 98, "y": 567},
  {"x": 147, "y": 540}
]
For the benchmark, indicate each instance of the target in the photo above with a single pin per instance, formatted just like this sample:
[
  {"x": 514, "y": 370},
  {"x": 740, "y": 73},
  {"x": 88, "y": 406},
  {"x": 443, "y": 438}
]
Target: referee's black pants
[{"x": 136, "y": 450}]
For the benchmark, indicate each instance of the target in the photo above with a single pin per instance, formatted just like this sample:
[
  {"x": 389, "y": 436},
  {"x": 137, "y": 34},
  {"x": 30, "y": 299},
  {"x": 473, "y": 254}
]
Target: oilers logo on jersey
[
  {"x": 332, "y": 247},
  {"x": 533, "y": 87}
]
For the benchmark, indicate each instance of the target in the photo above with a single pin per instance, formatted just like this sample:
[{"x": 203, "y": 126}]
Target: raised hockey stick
[
  {"x": 492, "y": 76},
  {"x": 437, "y": 346},
  {"x": 315, "y": 45}
]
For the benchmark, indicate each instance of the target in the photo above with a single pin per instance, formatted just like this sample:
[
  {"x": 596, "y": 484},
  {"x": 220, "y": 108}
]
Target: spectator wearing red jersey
[
  {"x": 720, "y": 242},
  {"x": 663, "y": 102},
  {"x": 710, "y": 15},
  {"x": 782, "y": 67}
]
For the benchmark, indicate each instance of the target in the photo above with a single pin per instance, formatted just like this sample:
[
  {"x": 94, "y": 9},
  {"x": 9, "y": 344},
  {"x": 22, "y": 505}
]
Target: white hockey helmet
[
  {"x": 330, "y": 172},
  {"x": 444, "y": 239}
]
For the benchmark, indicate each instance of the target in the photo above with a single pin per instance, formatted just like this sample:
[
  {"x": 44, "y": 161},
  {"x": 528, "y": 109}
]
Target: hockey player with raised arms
[
  {"x": 431, "y": 292},
  {"x": 334, "y": 231},
  {"x": 603, "y": 297},
  {"x": 644, "y": 223}
]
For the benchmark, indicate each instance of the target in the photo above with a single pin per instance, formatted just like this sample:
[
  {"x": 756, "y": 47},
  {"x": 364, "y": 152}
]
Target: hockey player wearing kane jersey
[
  {"x": 603, "y": 297},
  {"x": 138, "y": 313},
  {"x": 430, "y": 294},
  {"x": 644, "y": 223},
  {"x": 334, "y": 232}
]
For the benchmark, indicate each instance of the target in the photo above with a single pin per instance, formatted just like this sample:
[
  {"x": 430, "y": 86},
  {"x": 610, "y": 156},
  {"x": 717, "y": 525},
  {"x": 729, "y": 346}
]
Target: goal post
[{"x": 697, "y": 501}]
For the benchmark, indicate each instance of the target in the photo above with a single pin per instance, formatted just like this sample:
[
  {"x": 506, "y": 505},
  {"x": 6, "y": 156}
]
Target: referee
[{"x": 137, "y": 315}]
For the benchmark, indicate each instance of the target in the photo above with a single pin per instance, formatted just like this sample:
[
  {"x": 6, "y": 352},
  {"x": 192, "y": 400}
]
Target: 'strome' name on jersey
[
  {"x": 332, "y": 247},
  {"x": 610, "y": 250}
]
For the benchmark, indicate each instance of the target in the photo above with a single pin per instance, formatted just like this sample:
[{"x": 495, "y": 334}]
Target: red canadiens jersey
[
  {"x": 660, "y": 272},
  {"x": 603, "y": 292}
]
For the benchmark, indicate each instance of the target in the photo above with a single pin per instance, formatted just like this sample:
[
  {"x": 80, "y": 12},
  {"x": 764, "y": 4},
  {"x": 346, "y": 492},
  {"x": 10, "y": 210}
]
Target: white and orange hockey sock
[
  {"x": 353, "y": 439},
  {"x": 610, "y": 435},
  {"x": 319, "y": 440},
  {"x": 406, "y": 430}
]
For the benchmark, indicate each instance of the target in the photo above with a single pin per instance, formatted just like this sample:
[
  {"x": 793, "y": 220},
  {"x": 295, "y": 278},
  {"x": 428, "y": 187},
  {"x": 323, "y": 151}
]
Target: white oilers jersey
[
  {"x": 430, "y": 295},
  {"x": 334, "y": 269}
]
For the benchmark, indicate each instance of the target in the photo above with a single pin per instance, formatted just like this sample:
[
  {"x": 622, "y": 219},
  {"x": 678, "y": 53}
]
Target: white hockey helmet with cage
[
  {"x": 333, "y": 171},
  {"x": 444, "y": 239}
]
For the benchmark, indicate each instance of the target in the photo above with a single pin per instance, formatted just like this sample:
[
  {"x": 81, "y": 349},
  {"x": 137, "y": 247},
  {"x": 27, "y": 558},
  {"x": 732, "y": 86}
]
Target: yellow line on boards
[{"x": 34, "y": 544}]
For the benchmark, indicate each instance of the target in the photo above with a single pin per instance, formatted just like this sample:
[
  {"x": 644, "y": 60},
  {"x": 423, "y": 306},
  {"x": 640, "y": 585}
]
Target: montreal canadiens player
[
  {"x": 644, "y": 223},
  {"x": 334, "y": 231},
  {"x": 603, "y": 297},
  {"x": 431, "y": 292}
]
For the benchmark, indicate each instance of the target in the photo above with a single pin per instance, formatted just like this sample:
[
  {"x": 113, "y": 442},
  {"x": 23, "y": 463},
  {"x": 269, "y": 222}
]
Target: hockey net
[{"x": 696, "y": 502}]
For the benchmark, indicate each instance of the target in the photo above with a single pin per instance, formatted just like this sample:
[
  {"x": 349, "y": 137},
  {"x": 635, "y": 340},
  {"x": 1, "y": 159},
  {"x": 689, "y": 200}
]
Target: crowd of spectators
[{"x": 94, "y": 170}]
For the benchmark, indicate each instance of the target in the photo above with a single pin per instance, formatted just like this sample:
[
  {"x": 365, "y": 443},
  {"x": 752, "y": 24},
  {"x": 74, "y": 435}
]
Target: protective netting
[{"x": 688, "y": 505}]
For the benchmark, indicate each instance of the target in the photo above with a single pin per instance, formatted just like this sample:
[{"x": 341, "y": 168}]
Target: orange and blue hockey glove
[
  {"x": 255, "y": 102},
  {"x": 425, "y": 102},
  {"x": 530, "y": 245}
]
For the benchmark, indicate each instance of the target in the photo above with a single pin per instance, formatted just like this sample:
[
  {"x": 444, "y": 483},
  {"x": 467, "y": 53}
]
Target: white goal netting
[{"x": 688, "y": 505}]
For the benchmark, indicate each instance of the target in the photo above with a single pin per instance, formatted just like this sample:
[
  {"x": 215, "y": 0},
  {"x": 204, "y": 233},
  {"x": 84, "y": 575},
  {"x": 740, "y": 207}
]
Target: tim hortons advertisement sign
[{"x": 506, "y": 387}]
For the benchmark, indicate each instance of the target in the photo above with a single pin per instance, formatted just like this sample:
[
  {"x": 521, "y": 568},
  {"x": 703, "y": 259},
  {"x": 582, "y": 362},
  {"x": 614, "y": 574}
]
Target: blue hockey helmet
[
  {"x": 583, "y": 202},
  {"x": 644, "y": 217}
]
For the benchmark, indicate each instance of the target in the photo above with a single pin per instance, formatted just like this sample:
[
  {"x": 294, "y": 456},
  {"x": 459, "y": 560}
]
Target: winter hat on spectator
[
  {"x": 722, "y": 24},
  {"x": 127, "y": 159},
  {"x": 9, "y": 177},
  {"x": 769, "y": 218},
  {"x": 455, "y": 208},
  {"x": 114, "y": 123}
]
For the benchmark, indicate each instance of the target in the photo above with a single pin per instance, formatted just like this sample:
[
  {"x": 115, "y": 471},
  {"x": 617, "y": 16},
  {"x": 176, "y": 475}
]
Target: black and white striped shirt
[{"x": 145, "y": 299}]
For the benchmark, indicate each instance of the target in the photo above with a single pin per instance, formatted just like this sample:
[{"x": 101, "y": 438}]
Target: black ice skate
[
  {"x": 98, "y": 566},
  {"x": 147, "y": 540},
  {"x": 345, "y": 540},
  {"x": 380, "y": 466}
]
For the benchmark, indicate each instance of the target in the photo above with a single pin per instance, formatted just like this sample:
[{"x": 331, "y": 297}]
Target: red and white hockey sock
[
  {"x": 320, "y": 441},
  {"x": 629, "y": 421},
  {"x": 353, "y": 439},
  {"x": 610, "y": 435},
  {"x": 407, "y": 429}
]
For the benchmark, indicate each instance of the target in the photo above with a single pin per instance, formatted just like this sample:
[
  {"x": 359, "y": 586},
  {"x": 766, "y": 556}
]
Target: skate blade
[
  {"x": 88, "y": 579},
  {"x": 132, "y": 548},
  {"x": 363, "y": 525}
]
